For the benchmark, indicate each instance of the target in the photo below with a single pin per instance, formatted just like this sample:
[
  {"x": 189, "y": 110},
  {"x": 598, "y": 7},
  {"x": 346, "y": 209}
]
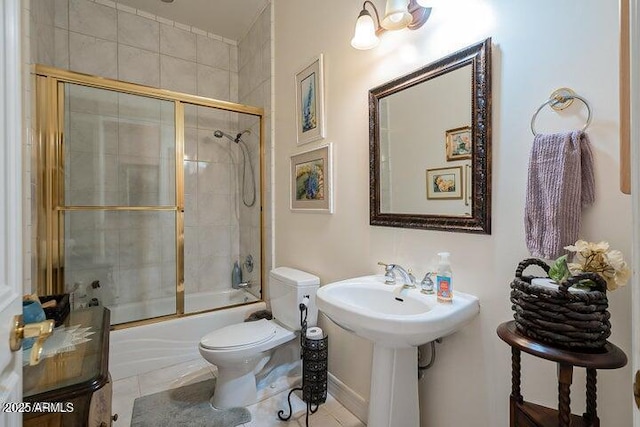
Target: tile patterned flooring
[{"x": 263, "y": 413}]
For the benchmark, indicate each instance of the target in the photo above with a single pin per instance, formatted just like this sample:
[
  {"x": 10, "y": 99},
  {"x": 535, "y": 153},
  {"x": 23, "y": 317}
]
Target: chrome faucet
[
  {"x": 390, "y": 271},
  {"x": 244, "y": 285}
]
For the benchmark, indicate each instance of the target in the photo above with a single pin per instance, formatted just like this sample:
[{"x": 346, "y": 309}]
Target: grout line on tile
[
  {"x": 107, "y": 3},
  {"x": 125, "y": 8},
  {"x": 144, "y": 14}
]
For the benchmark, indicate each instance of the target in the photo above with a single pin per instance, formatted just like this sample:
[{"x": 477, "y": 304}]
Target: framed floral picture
[
  {"x": 458, "y": 143},
  {"x": 444, "y": 183},
  {"x": 310, "y": 102},
  {"x": 311, "y": 182}
]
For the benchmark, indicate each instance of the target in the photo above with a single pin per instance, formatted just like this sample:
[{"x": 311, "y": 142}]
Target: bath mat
[{"x": 185, "y": 406}]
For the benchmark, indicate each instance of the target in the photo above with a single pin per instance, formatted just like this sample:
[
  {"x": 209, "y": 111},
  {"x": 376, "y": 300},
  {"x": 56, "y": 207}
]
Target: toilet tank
[{"x": 287, "y": 288}]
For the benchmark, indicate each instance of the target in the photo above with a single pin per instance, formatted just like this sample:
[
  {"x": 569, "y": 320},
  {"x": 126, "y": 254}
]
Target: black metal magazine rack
[{"x": 314, "y": 354}]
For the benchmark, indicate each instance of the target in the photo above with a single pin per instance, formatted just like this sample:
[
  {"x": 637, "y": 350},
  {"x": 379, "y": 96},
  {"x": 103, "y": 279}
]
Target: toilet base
[
  {"x": 236, "y": 383},
  {"x": 234, "y": 391},
  {"x": 272, "y": 375}
]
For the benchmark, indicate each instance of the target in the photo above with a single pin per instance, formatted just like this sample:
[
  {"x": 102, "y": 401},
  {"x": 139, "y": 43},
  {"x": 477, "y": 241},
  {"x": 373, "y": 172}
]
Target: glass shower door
[
  {"x": 222, "y": 215},
  {"x": 118, "y": 202},
  {"x": 147, "y": 198}
]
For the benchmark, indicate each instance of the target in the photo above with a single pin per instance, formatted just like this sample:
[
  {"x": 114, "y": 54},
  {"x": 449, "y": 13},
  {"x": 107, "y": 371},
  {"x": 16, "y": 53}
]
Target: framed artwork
[
  {"x": 458, "y": 143},
  {"x": 311, "y": 183},
  {"x": 310, "y": 102},
  {"x": 444, "y": 183}
]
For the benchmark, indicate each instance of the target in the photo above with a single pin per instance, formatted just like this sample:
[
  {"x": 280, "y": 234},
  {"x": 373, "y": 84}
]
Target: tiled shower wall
[
  {"x": 110, "y": 40},
  {"x": 254, "y": 88},
  {"x": 107, "y": 39}
]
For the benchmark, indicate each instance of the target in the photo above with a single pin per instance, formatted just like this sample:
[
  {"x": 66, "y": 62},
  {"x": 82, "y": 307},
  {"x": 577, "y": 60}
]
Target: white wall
[{"x": 537, "y": 47}]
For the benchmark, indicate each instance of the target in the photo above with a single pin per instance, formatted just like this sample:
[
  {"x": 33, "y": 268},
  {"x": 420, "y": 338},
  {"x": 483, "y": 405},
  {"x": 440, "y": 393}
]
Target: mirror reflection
[
  {"x": 425, "y": 165},
  {"x": 430, "y": 145}
]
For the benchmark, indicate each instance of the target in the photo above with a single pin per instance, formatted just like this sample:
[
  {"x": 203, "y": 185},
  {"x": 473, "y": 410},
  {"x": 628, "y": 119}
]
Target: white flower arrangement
[{"x": 592, "y": 258}]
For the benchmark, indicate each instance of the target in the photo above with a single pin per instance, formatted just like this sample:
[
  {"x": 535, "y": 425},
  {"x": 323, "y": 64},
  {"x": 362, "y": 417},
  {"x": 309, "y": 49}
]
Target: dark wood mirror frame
[{"x": 479, "y": 56}]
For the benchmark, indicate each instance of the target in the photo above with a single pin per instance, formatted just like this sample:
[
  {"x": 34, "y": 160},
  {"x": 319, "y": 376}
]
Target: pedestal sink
[{"x": 397, "y": 320}]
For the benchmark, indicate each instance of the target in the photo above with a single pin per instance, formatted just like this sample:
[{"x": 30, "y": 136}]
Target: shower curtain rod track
[{"x": 138, "y": 89}]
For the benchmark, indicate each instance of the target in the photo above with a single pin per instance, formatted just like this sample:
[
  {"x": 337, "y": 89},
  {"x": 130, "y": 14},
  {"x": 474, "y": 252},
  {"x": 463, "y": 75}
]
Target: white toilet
[{"x": 241, "y": 350}]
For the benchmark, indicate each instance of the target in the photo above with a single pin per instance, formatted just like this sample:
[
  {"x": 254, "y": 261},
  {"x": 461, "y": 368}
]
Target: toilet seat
[
  {"x": 240, "y": 335},
  {"x": 251, "y": 339}
]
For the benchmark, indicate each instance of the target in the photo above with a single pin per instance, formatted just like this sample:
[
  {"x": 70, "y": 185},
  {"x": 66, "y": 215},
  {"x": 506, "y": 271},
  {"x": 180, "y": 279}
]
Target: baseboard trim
[{"x": 351, "y": 400}]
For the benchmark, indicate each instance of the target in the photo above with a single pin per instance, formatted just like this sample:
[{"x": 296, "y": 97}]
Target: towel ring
[{"x": 559, "y": 100}]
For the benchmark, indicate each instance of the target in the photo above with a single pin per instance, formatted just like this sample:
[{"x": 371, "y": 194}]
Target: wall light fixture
[{"x": 398, "y": 14}]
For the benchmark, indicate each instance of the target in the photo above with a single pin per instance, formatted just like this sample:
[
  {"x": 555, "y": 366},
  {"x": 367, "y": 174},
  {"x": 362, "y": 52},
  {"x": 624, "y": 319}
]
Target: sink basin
[
  {"x": 392, "y": 316},
  {"x": 397, "y": 320}
]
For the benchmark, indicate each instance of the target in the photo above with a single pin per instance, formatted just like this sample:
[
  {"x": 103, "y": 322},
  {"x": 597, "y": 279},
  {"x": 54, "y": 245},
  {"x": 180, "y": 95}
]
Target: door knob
[
  {"x": 41, "y": 331},
  {"x": 636, "y": 389}
]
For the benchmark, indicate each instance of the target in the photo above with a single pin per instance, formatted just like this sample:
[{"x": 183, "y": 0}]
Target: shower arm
[{"x": 239, "y": 135}]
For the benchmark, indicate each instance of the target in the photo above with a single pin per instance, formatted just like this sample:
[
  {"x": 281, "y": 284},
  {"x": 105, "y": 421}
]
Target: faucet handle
[
  {"x": 390, "y": 278},
  {"x": 387, "y": 267},
  {"x": 427, "y": 284}
]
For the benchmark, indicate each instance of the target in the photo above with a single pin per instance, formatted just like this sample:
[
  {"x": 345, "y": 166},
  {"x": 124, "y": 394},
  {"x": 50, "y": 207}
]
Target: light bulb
[{"x": 396, "y": 15}]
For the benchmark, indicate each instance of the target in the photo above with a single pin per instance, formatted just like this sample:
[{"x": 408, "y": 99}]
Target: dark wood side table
[
  {"x": 526, "y": 414},
  {"x": 79, "y": 377}
]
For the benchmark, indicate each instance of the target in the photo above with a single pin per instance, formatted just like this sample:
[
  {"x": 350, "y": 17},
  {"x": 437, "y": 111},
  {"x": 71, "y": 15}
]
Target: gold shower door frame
[{"x": 48, "y": 149}]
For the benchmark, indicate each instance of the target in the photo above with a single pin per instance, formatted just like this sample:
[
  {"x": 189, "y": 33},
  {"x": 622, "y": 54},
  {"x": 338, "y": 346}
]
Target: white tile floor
[{"x": 263, "y": 414}]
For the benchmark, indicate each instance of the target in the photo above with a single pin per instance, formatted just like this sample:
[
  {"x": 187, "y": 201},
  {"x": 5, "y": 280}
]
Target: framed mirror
[{"x": 430, "y": 145}]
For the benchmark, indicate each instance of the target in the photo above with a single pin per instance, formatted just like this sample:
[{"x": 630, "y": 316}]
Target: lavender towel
[{"x": 560, "y": 184}]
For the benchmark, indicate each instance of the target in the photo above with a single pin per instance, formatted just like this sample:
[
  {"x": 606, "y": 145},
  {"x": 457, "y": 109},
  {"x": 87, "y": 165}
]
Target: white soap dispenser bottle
[{"x": 444, "y": 279}]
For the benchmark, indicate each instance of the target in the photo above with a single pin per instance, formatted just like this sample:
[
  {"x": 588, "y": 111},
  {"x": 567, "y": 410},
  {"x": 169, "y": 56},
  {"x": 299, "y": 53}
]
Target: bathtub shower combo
[{"x": 146, "y": 200}]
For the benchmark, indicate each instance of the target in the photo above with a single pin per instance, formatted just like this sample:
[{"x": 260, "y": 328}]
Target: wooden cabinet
[
  {"x": 100, "y": 407},
  {"x": 77, "y": 377},
  {"x": 526, "y": 414}
]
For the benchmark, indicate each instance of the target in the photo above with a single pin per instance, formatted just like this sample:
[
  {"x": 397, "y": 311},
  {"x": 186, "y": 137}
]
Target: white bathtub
[{"x": 140, "y": 349}]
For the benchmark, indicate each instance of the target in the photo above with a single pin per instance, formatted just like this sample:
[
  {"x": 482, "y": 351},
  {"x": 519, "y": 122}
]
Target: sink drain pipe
[{"x": 432, "y": 360}]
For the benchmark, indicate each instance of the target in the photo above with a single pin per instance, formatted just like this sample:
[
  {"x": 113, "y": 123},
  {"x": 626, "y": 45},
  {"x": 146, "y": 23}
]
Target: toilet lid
[{"x": 239, "y": 335}]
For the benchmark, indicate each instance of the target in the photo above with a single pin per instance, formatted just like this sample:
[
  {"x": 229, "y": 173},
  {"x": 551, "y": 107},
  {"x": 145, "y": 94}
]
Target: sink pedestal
[{"x": 393, "y": 398}]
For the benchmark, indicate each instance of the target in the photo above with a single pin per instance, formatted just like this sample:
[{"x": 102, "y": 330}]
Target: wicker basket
[{"x": 572, "y": 320}]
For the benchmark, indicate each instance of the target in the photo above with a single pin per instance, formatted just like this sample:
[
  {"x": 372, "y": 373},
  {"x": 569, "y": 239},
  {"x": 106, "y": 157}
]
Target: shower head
[{"x": 219, "y": 134}]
